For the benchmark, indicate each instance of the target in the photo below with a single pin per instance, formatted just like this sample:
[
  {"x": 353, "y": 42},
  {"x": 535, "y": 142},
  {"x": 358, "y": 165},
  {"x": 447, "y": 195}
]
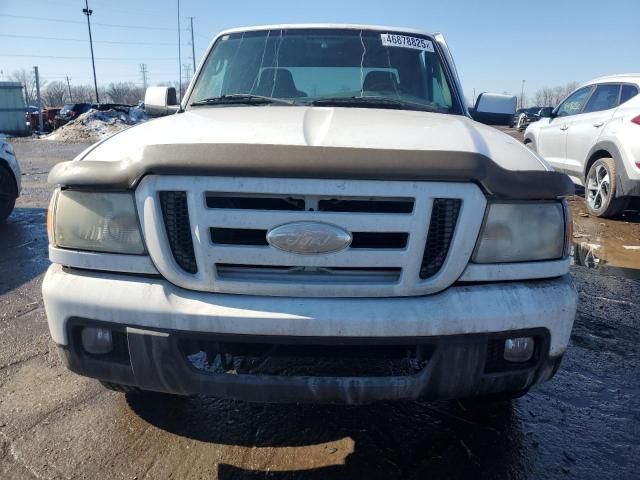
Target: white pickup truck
[{"x": 319, "y": 220}]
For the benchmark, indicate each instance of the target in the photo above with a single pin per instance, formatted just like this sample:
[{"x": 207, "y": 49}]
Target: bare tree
[
  {"x": 55, "y": 94},
  {"x": 82, "y": 93},
  {"x": 124, "y": 92},
  {"x": 552, "y": 96},
  {"x": 28, "y": 80}
]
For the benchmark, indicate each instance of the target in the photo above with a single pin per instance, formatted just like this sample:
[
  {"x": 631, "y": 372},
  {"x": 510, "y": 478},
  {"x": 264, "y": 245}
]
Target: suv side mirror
[
  {"x": 159, "y": 101},
  {"x": 546, "y": 112},
  {"x": 494, "y": 108}
]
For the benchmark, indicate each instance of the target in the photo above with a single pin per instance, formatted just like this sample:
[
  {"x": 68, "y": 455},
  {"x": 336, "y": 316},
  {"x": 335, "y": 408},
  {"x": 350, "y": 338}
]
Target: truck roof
[{"x": 345, "y": 26}]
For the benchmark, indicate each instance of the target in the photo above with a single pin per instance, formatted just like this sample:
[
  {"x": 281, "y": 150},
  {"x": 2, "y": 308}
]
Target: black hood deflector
[{"x": 291, "y": 161}]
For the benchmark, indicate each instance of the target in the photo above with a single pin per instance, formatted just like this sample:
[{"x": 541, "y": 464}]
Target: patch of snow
[{"x": 95, "y": 125}]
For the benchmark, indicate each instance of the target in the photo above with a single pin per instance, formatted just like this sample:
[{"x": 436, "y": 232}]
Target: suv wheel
[
  {"x": 8, "y": 192},
  {"x": 600, "y": 189},
  {"x": 530, "y": 145}
]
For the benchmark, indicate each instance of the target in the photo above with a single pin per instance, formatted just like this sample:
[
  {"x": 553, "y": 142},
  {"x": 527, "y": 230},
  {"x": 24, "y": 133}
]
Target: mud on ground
[{"x": 585, "y": 423}]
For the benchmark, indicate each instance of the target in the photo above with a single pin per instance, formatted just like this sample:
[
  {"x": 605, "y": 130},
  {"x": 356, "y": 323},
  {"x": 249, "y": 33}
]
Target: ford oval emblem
[{"x": 309, "y": 238}]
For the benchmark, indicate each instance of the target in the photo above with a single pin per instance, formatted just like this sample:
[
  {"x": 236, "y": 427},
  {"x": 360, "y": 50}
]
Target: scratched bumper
[{"x": 458, "y": 367}]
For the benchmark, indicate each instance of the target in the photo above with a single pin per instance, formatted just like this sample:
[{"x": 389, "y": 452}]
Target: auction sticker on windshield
[{"x": 392, "y": 40}]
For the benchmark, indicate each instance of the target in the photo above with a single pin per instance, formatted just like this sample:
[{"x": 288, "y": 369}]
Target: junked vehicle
[
  {"x": 69, "y": 112},
  {"x": 9, "y": 179},
  {"x": 594, "y": 136},
  {"x": 320, "y": 221},
  {"x": 529, "y": 115}
]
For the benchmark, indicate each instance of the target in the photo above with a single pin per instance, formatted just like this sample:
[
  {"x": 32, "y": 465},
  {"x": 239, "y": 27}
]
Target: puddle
[{"x": 608, "y": 257}]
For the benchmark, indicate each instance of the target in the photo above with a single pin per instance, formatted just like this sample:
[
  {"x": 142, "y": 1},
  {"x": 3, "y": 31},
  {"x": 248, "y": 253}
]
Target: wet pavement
[{"x": 584, "y": 423}]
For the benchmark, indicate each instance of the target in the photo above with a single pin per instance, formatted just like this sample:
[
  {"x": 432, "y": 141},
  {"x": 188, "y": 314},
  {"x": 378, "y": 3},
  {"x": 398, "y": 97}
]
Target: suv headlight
[
  {"x": 9, "y": 149},
  {"x": 523, "y": 232},
  {"x": 102, "y": 222}
]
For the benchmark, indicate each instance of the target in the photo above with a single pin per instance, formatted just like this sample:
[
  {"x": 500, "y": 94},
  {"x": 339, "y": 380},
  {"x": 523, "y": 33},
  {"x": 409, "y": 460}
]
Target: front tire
[
  {"x": 8, "y": 192},
  {"x": 601, "y": 188},
  {"x": 119, "y": 387}
]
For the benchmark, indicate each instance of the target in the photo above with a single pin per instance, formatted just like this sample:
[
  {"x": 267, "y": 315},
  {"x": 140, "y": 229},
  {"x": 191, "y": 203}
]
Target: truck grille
[
  {"x": 176, "y": 221},
  {"x": 444, "y": 216},
  {"x": 408, "y": 238}
]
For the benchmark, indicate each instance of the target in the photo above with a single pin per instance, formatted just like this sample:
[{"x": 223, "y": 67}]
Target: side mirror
[
  {"x": 546, "y": 112},
  {"x": 159, "y": 101},
  {"x": 494, "y": 108}
]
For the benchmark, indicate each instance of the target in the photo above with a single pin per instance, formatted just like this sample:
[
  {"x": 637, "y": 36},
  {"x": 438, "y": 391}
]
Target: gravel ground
[{"x": 585, "y": 423}]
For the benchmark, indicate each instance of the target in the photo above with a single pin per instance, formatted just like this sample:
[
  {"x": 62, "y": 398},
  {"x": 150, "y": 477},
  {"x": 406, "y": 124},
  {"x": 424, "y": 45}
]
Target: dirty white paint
[{"x": 496, "y": 307}]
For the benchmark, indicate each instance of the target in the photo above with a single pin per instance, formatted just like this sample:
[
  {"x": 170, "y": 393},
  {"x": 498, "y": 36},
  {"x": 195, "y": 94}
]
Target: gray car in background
[{"x": 9, "y": 179}]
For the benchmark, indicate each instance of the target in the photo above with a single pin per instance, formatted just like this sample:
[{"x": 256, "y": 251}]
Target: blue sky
[{"x": 496, "y": 44}]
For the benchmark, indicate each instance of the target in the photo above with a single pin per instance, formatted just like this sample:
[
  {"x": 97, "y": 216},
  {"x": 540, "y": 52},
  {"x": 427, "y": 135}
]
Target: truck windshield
[{"x": 359, "y": 68}]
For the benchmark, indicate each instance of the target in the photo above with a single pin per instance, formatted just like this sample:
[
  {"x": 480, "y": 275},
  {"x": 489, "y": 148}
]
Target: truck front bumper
[{"x": 459, "y": 327}]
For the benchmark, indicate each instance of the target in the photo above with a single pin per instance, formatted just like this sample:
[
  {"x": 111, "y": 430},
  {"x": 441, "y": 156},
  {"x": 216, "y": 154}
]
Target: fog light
[
  {"x": 96, "y": 340},
  {"x": 518, "y": 349}
]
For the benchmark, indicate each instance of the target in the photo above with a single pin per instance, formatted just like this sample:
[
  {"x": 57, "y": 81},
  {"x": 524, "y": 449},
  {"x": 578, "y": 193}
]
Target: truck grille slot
[
  {"x": 366, "y": 206},
  {"x": 254, "y": 202},
  {"x": 176, "y": 221},
  {"x": 239, "y": 236},
  {"x": 297, "y": 274},
  {"x": 389, "y": 240},
  {"x": 288, "y": 203},
  {"x": 444, "y": 216},
  {"x": 403, "y": 234}
]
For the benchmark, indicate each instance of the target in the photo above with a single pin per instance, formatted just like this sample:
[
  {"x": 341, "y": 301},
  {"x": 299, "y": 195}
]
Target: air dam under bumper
[{"x": 458, "y": 323}]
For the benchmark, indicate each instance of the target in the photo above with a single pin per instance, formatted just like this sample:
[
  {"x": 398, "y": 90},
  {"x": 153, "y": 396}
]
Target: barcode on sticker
[{"x": 392, "y": 40}]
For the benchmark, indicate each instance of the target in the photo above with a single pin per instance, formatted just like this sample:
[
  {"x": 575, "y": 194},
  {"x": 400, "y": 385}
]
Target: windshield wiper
[
  {"x": 374, "y": 101},
  {"x": 241, "y": 98}
]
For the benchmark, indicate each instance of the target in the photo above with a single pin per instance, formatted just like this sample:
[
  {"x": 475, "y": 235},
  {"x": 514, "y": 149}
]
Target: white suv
[{"x": 594, "y": 137}]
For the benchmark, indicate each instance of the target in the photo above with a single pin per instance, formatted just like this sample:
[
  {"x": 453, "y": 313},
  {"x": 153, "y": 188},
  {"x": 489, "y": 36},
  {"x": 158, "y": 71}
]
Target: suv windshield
[{"x": 361, "y": 68}]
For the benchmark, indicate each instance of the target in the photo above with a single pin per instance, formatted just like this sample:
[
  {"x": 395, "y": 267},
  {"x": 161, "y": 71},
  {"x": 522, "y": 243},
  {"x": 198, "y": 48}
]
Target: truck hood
[
  {"x": 322, "y": 127},
  {"x": 317, "y": 142}
]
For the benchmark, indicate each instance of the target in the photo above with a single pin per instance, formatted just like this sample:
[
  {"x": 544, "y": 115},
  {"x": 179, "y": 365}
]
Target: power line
[
  {"x": 63, "y": 39},
  {"x": 59, "y": 20},
  {"x": 84, "y": 58},
  {"x": 111, "y": 8}
]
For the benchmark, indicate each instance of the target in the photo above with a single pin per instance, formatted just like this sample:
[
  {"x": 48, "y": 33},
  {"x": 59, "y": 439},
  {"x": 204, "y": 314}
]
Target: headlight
[
  {"x": 9, "y": 149},
  {"x": 522, "y": 232},
  {"x": 104, "y": 222}
]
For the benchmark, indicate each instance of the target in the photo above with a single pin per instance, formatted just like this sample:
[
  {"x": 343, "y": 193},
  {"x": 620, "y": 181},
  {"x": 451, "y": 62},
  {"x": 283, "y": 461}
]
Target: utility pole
[
  {"x": 69, "y": 87},
  {"x": 88, "y": 13},
  {"x": 143, "y": 72},
  {"x": 39, "y": 99},
  {"x": 179, "y": 58},
  {"x": 522, "y": 95},
  {"x": 186, "y": 70},
  {"x": 193, "y": 46}
]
